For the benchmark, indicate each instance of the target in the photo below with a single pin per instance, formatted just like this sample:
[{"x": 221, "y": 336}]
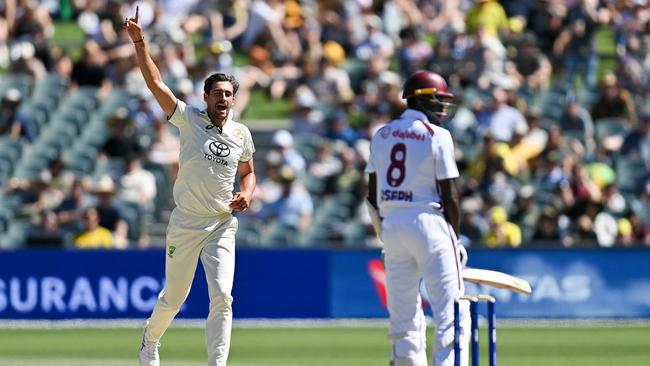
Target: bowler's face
[{"x": 219, "y": 100}]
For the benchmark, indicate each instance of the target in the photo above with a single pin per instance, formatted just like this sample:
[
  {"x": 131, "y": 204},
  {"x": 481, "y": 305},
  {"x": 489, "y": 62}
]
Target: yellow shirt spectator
[
  {"x": 93, "y": 236},
  {"x": 100, "y": 237},
  {"x": 502, "y": 233},
  {"x": 486, "y": 14}
]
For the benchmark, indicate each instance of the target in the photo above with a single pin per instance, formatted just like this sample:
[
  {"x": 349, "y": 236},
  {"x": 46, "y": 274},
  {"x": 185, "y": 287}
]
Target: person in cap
[
  {"x": 14, "y": 122},
  {"x": 412, "y": 186}
]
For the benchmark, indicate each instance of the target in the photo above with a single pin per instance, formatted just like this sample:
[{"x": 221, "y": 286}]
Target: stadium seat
[
  {"x": 163, "y": 187},
  {"x": 17, "y": 81},
  {"x": 355, "y": 234},
  {"x": 134, "y": 218},
  {"x": 6, "y": 216},
  {"x": 11, "y": 147},
  {"x": 38, "y": 112},
  {"x": 472, "y": 93},
  {"x": 49, "y": 103},
  {"x": 314, "y": 185},
  {"x": 247, "y": 238},
  {"x": 6, "y": 168},
  {"x": 74, "y": 116},
  {"x": 15, "y": 236},
  {"x": 307, "y": 145},
  {"x": 610, "y": 127},
  {"x": 54, "y": 140},
  {"x": 278, "y": 234},
  {"x": 63, "y": 129},
  {"x": 315, "y": 236},
  {"x": 114, "y": 167},
  {"x": 575, "y": 134},
  {"x": 329, "y": 211},
  {"x": 588, "y": 97},
  {"x": 248, "y": 233}
]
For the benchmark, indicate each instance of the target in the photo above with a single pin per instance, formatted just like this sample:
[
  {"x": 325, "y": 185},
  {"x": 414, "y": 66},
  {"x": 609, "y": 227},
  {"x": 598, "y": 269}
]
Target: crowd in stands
[{"x": 552, "y": 130}]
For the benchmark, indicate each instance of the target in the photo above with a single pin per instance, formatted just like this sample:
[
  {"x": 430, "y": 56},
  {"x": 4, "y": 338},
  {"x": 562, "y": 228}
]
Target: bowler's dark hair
[{"x": 220, "y": 77}]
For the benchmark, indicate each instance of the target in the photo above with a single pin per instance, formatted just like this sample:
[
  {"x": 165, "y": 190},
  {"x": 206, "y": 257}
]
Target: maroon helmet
[{"x": 428, "y": 92}]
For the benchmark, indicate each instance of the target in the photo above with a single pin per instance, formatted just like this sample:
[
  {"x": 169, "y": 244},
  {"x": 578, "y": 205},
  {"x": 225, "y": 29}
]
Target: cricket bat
[{"x": 497, "y": 279}]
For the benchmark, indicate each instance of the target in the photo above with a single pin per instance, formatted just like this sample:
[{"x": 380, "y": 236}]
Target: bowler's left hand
[{"x": 240, "y": 202}]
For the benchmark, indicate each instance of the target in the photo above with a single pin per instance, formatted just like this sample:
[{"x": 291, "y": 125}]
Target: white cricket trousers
[
  {"x": 420, "y": 245},
  {"x": 213, "y": 240}
]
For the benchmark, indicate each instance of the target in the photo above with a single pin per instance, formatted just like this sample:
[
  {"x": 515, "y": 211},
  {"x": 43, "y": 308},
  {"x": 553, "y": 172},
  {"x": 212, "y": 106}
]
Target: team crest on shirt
[
  {"x": 385, "y": 132},
  {"x": 238, "y": 134}
]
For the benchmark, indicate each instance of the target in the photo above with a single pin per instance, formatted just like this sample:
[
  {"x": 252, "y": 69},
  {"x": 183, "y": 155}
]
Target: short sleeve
[
  {"x": 446, "y": 167},
  {"x": 179, "y": 117},
  {"x": 249, "y": 146}
]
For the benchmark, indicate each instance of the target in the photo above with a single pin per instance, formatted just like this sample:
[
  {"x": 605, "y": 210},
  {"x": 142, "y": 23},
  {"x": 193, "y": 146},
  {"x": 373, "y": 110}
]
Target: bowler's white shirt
[
  {"x": 409, "y": 155},
  {"x": 208, "y": 161}
]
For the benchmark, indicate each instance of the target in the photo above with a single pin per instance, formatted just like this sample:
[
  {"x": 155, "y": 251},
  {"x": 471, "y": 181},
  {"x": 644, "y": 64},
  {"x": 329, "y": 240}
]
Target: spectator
[
  {"x": 488, "y": 16},
  {"x": 143, "y": 113},
  {"x": 14, "y": 122},
  {"x": 268, "y": 189},
  {"x": 327, "y": 165},
  {"x": 472, "y": 224},
  {"x": 294, "y": 207},
  {"x": 70, "y": 211},
  {"x": 24, "y": 61},
  {"x": 636, "y": 144},
  {"x": 547, "y": 230},
  {"x": 376, "y": 42},
  {"x": 625, "y": 232},
  {"x": 533, "y": 69},
  {"x": 91, "y": 70},
  {"x": 137, "y": 185},
  {"x": 614, "y": 102},
  {"x": 165, "y": 147},
  {"x": 414, "y": 53},
  {"x": 502, "y": 233},
  {"x": 109, "y": 216},
  {"x": 306, "y": 117},
  {"x": 47, "y": 233},
  {"x": 505, "y": 119},
  {"x": 575, "y": 43},
  {"x": 350, "y": 180},
  {"x": 581, "y": 233},
  {"x": 123, "y": 140},
  {"x": 576, "y": 118},
  {"x": 526, "y": 211},
  {"x": 283, "y": 141},
  {"x": 487, "y": 162},
  {"x": 337, "y": 127},
  {"x": 93, "y": 235}
]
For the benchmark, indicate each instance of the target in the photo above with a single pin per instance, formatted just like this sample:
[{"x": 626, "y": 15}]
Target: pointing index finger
[{"x": 137, "y": 13}]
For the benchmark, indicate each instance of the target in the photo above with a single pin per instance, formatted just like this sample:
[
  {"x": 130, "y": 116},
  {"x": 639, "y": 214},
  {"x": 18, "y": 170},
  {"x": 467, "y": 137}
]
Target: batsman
[{"x": 412, "y": 187}]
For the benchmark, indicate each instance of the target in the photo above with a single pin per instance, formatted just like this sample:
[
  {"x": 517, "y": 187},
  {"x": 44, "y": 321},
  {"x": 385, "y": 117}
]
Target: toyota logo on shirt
[{"x": 219, "y": 149}]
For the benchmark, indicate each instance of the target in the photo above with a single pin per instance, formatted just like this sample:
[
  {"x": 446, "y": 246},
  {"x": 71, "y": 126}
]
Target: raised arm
[{"x": 149, "y": 70}]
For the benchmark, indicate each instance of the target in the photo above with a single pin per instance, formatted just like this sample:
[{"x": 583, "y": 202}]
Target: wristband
[{"x": 140, "y": 40}]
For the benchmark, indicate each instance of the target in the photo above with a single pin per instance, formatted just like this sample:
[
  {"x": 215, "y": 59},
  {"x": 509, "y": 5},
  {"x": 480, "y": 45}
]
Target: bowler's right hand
[{"x": 133, "y": 27}]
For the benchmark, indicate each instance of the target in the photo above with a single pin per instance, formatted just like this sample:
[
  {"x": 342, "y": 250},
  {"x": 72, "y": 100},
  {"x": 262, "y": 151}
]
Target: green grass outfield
[{"x": 318, "y": 346}]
